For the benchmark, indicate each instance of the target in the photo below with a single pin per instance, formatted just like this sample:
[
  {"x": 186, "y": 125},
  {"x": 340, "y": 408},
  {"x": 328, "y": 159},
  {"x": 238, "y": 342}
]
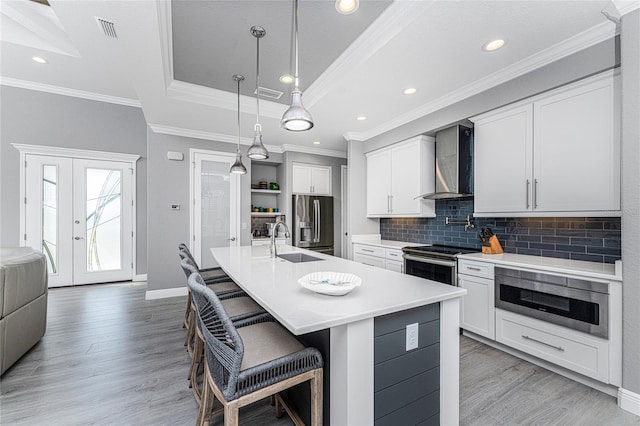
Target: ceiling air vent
[
  {"x": 107, "y": 27},
  {"x": 268, "y": 93}
]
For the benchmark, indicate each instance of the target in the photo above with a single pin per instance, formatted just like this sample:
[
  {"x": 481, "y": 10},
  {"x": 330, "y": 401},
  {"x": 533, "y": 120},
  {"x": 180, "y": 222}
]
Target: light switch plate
[{"x": 412, "y": 336}]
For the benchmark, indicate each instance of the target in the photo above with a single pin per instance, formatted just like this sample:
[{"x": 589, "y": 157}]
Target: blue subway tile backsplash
[{"x": 595, "y": 239}]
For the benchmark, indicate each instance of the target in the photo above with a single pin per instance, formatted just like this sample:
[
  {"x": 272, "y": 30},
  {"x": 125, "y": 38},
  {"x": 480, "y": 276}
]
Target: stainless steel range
[{"x": 437, "y": 262}]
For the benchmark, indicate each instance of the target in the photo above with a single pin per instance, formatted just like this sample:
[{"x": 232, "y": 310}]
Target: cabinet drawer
[
  {"x": 368, "y": 250},
  {"x": 369, "y": 260},
  {"x": 559, "y": 345},
  {"x": 394, "y": 254},
  {"x": 394, "y": 265},
  {"x": 477, "y": 269}
]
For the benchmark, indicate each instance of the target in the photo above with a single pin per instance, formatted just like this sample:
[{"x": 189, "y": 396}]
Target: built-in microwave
[{"x": 578, "y": 304}]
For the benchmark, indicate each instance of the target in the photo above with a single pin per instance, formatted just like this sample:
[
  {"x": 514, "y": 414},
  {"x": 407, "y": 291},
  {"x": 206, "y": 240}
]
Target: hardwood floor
[
  {"x": 111, "y": 358},
  {"x": 499, "y": 389}
]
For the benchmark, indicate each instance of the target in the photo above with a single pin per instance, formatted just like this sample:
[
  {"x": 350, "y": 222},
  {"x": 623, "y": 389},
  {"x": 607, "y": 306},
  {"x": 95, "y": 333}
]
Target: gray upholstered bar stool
[
  {"x": 238, "y": 306},
  {"x": 210, "y": 276},
  {"x": 251, "y": 360}
]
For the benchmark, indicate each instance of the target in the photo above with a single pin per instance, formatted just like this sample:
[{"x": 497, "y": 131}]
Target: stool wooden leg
[
  {"x": 196, "y": 360},
  {"x": 231, "y": 414},
  {"x": 185, "y": 321},
  {"x": 206, "y": 402},
  {"x": 316, "y": 398}
]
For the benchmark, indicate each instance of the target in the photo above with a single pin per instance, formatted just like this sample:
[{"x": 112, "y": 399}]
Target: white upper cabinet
[
  {"x": 555, "y": 154},
  {"x": 503, "y": 163},
  {"x": 396, "y": 175},
  {"x": 311, "y": 179}
]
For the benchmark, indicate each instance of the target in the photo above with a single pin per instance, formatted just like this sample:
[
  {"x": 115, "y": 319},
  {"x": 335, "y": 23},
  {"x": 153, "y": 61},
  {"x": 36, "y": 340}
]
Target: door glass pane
[
  {"x": 103, "y": 201},
  {"x": 50, "y": 216},
  {"x": 216, "y": 205}
]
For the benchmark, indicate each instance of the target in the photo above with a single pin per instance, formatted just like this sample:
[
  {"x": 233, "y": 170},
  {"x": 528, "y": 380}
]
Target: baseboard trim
[
  {"x": 139, "y": 277},
  {"x": 629, "y": 401},
  {"x": 167, "y": 292}
]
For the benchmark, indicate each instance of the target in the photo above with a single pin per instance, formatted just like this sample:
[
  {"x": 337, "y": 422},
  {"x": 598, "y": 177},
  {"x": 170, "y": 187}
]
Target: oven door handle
[{"x": 430, "y": 260}]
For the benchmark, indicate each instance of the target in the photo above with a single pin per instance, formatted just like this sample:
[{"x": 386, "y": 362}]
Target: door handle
[
  {"x": 232, "y": 239},
  {"x": 527, "y": 196},
  {"x": 535, "y": 193},
  {"x": 78, "y": 238}
]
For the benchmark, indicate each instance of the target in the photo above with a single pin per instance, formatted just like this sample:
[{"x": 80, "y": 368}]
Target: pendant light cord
[
  {"x": 258, "y": 83},
  {"x": 238, "y": 150},
  {"x": 295, "y": 30}
]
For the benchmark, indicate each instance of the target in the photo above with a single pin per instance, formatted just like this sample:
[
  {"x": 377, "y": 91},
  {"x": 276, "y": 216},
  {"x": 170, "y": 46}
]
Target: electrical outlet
[{"x": 412, "y": 336}]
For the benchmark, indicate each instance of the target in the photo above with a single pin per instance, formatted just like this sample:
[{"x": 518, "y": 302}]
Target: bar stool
[
  {"x": 238, "y": 306},
  {"x": 215, "y": 275},
  {"x": 251, "y": 360}
]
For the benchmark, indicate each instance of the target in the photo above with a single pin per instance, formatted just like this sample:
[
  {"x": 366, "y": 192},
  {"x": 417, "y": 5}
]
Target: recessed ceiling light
[
  {"x": 39, "y": 60},
  {"x": 410, "y": 91},
  {"x": 347, "y": 6},
  {"x": 316, "y": 142},
  {"x": 493, "y": 45},
  {"x": 286, "y": 79},
  {"x": 361, "y": 117}
]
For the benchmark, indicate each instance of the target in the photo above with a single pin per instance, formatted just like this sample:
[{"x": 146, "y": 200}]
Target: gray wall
[
  {"x": 39, "y": 118},
  {"x": 335, "y": 163},
  {"x": 169, "y": 184},
  {"x": 630, "y": 58},
  {"x": 357, "y": 175}
]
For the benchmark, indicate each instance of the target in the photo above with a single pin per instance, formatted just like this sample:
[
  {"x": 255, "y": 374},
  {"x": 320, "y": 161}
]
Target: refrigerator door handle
[{"x": 316, "y": 218}]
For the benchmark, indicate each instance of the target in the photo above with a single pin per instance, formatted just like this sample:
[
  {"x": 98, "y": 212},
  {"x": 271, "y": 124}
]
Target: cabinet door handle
[
  {"x": 543, "y": 343},
  {"x": 535, "y": 194},
  {"x": 474, "y": 268},
  {"x": 370, "y": 251},
  {"x": 527, "y": 199},
  {"x": 390, "y": 203}
]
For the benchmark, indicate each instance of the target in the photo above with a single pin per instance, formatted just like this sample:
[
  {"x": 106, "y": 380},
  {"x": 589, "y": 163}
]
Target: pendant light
[
  {"x": 296, "y": 118},
  {"x": 238, "y": 168},
  {"x": 257, "y": 151}
]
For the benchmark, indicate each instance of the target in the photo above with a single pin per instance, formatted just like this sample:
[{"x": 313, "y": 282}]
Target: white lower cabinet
[
  {"x": 573, "y": 350},
  {"x": 381, "y": 257},
  {"x": 477, "y": 307}
]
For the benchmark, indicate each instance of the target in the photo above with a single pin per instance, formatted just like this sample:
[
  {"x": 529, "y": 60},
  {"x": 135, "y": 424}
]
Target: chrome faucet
[{"x": 272, "y": 248}]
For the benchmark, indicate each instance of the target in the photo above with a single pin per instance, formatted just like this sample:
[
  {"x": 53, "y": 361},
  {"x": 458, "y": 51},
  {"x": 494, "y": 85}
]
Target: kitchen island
[{"x": 365, "y": 332}]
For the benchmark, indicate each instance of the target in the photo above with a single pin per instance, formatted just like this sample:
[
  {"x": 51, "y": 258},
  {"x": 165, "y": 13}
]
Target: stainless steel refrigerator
[{"x": 313, "y": 223}]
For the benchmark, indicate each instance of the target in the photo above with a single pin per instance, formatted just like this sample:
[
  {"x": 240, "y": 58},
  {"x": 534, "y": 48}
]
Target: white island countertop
[{"x": 273, "y": 283}]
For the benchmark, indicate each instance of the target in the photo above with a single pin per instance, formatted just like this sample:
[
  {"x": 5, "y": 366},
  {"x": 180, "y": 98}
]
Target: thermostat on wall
[
  {"x": 175, "y": 206},
  {"x": 174, "y": 155}
]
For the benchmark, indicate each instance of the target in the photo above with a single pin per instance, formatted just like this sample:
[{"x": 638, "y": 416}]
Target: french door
[
  {"x": 79, "y": 213},
  {"x": 215, "y": 217}
]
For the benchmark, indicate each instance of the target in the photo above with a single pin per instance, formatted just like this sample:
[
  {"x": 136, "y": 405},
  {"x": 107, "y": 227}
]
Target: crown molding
[
  {"x": 626, "y": 6},
  {"x": 188, "y": 92},
  {"x": 40, "y": 87},
  {"x": 219, "y": 137},
  {"x": 210, "y": 136},
  {"x": 163, "y": 9},
  {"x": 314, "y": 151},
  {"x": 587, "y": 38},
  {"x": 354, "y": 136},
  {"x": 392, "y": 21}
]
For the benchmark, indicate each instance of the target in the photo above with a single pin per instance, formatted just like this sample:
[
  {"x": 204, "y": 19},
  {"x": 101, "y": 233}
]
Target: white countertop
[
  {"x": 549, "y": 264},
  {"x": 273, "y": 283}
]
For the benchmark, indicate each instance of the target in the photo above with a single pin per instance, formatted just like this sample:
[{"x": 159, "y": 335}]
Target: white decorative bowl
[{"x": 331, "y": 283}]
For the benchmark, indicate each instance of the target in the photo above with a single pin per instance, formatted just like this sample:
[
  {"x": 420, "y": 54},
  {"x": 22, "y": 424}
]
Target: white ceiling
[{"x": 434, "y": 46}]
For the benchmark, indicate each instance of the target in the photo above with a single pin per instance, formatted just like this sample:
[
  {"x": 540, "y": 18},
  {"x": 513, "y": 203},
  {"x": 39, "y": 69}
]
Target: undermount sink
[{"x": 298, "y": 257}]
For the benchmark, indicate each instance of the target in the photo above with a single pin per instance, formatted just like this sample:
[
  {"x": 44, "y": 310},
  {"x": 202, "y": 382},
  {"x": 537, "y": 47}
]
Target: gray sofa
[{"x": 23, "y": 302}]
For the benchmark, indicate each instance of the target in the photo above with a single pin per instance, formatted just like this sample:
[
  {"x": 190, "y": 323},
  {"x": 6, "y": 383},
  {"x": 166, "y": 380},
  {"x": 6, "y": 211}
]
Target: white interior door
[
  {"x": 216, "y": 205},
  {"x": 102, "y": 221},
  {"x": 79, "y": 213}
]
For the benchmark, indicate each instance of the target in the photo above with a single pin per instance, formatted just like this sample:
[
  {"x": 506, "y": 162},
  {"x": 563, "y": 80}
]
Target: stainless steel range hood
[{"x": 454, "y": 164}]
